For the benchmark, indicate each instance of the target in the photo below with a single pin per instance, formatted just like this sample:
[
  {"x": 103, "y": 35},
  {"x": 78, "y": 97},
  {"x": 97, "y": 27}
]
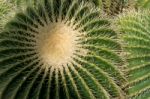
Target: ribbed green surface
[
  {"x": 134, "y": 28},
  {"x": 96, "y": 75}
]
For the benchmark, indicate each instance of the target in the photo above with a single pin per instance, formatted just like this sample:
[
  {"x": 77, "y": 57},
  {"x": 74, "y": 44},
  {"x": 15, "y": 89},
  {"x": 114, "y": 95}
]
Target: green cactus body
[
  {"x": 22, "y": 4},
  {"x": 134, "y": 30},
  {"x": 112, "y": 7},
  {"x": 60, "y": 49},
  {"x": 7, "y": 10},
  {"x": 143, "y": 3}
]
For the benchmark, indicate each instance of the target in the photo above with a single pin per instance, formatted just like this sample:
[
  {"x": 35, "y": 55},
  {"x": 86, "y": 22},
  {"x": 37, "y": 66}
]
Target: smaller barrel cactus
[{"x": 134, "y": 28}]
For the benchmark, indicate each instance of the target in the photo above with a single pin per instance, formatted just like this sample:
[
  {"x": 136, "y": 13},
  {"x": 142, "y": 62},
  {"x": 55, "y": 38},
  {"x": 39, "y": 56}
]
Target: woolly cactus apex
[
  {"x": 6, "y": 13},
  {"x": 60, "y": 49},
  {"x": 134, "y": 30}
]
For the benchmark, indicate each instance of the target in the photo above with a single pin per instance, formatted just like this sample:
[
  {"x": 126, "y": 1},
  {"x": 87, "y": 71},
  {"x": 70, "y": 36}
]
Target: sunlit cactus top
[{"x": 60, "y": 49}]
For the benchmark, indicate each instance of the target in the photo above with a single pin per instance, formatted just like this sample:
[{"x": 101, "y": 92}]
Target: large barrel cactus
[
  {"x": 134, "y": 30},
  {"x": 60, "y": 49}
]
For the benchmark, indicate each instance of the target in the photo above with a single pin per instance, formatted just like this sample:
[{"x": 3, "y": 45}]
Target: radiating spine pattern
[
  {"x": 61, "y": 49},
  {"x": 135, "y": 35}
]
